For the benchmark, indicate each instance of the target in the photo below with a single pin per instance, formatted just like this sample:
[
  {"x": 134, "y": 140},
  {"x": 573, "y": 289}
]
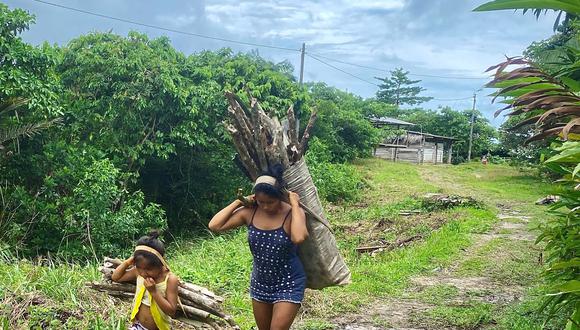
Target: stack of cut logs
[{"x": 197, "y": 306}]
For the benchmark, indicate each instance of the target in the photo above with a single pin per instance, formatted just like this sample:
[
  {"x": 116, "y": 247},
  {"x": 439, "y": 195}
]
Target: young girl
[
  {"x": 275, "y": 229},
  {"x": 156, "y": 293}
]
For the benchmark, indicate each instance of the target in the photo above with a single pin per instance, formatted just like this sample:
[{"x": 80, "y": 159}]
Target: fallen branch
[{"x": 388, "y": 246}]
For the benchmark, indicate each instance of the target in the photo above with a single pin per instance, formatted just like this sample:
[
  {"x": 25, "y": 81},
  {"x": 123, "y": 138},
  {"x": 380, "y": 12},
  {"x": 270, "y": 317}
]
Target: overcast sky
[{"x": 425, "y": 37}]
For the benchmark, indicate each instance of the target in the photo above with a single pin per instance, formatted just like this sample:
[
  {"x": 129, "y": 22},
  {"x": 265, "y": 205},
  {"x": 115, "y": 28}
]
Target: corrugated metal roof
[
  {"x": 433, "y": 135},
  {"x": 390, "y": 121}
]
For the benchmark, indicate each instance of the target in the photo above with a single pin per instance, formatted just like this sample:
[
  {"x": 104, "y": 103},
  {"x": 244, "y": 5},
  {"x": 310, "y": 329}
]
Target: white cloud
[
  {"x": 376, "y": 4},
  {"x": 435, "y": 37}
]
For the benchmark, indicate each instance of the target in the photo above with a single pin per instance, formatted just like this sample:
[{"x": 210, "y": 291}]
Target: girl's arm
[
  {"x": 168, "y": 304},
  {"x": 121, "y": 274},
  {"x": 298, "y": 230},
  {"x": 230, "y": 217}
]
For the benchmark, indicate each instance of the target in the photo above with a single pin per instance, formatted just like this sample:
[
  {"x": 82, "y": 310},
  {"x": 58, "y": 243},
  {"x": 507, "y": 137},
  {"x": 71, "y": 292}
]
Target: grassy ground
[{"x": 223, "y": 263}]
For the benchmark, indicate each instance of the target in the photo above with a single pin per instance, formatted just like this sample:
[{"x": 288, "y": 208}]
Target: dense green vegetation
[
  {"x": 132, "y": 137},
  {"x": 543, "y": 91}
]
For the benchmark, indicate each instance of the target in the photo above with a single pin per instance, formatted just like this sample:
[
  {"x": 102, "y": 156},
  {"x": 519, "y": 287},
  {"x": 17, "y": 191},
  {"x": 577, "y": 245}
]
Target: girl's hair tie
[{"x": 152, "y": 251}]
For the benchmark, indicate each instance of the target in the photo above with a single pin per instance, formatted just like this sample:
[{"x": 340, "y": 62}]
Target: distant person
[
  {"x": 275, "y": 229},
  {"x": 484, "y": 159},
  {"x": 156, "y": 292}
]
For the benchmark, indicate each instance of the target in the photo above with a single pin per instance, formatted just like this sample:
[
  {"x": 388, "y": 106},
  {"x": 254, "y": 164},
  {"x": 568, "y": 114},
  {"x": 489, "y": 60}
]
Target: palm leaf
[
  {"x": 569, "y": 6},
  {"x": 27, "y": 130},
  {"x": 11, "y": 104},
  {"x": 571, "y": 125},
  {"x": 527, "y": 89}
]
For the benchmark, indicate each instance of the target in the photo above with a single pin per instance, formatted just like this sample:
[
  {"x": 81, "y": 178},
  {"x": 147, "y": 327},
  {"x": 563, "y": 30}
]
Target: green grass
[
  {"x": 392, "y": 182},
  {"x": 506, "y": 261},
  {"x": 53, "y": 296},
  {"x": 526, "y": 316},
  {"x": 470, "y": 316},
  {"x": 436, "y": 294},
  {"x": 222, "y": 263}
]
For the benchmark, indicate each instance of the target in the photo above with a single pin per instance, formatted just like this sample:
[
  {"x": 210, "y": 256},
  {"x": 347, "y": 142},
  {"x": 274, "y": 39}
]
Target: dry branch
[
  {"x": 292, "y": 129},
  {"x": 388, "y": 246},
  {"x": 306, "y": 135}
]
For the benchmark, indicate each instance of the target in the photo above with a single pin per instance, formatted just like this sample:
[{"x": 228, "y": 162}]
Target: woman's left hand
[
  {"x": 149, "y": 283},
  {"x": 294, "y": 198}
]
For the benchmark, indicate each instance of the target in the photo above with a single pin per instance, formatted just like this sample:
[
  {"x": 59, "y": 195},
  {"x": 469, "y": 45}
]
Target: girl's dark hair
[
  {"x": 275, "y": 171},
  {"x": 152, "y": 241}
]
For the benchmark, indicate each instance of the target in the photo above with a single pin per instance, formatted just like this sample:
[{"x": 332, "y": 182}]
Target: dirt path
[{"x": 489, "y": 275}]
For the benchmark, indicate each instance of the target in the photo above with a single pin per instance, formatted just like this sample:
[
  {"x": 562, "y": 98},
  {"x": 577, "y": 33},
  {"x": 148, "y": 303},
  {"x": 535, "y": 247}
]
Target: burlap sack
[{"x": 319, "y": 254}]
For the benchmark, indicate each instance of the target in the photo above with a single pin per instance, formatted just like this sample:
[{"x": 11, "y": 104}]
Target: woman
[{"x": 275, "y": 229}]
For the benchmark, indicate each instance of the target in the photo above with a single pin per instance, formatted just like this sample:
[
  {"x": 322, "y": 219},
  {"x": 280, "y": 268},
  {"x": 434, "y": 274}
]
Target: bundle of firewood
[
  {"x": 262, "y": 141},
  {"x": 197, "y": 306}
]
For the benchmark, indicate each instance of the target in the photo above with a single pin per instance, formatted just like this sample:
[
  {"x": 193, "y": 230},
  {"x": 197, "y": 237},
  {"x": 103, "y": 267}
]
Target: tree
[
  {"x": 398, "y": 89},
  {"x": 341, "y": 125},
  {"x": 26, "y": 71}
]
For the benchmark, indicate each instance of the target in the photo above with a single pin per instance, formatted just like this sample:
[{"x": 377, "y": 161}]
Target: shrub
[
  {"x": 335, "y": 182},
  {"x": 76, "y": 219}
]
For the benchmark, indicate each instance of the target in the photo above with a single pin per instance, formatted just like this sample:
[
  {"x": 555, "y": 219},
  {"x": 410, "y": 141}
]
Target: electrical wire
[
  {"x": 461, "y": 99},
  {"x": 164, "y": 28},
  {"x": 315, "y": 56},
  {"x": 341, "y": 70},
  {"x": 384, "y": 70}
]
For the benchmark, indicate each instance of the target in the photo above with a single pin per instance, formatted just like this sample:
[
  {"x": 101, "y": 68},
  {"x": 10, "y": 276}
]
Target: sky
[{"x": 425, "y": 37}]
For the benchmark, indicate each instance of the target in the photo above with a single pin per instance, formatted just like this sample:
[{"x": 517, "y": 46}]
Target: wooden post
[
  {"x": 421, "y": 159},
  {"x": 450, "y": 152}
]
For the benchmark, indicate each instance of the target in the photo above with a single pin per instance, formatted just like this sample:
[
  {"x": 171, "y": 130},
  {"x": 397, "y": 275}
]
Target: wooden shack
[{"x": 413, "y": 146}]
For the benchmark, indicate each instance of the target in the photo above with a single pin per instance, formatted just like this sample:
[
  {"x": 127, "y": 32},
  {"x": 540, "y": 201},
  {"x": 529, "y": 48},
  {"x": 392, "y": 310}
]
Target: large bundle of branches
[
  {"x": 262, "y": 141},
  {"x": 197, "y": 306}
]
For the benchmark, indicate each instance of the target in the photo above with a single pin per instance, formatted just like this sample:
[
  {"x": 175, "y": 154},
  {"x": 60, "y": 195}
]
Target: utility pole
[
  {"x": 297, "y": 113},
  {"x": 302, "y": 62},
  {"x": 471, "y": 130}
]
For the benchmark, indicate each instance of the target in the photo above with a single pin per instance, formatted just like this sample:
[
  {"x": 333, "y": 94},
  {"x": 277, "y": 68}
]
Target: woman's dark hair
[
  {"x": 152, "y": 241},
  {"x": 275, "y": 171}
]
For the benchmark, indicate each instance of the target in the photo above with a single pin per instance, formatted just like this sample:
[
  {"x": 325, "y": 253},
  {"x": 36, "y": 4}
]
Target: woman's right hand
[{"x": 249, "y": 200}]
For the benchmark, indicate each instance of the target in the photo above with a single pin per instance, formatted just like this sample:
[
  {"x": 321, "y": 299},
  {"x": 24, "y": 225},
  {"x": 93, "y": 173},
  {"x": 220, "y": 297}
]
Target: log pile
[
  {"x": 197, "y": 306},
  {"x": 436, "y": 201},
  {"x": 261, "y": 142}
]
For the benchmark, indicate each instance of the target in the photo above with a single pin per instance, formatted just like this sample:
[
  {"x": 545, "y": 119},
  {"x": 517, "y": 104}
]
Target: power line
[
  {"x": 368, "y": 82},
  {"x": 238, "y": 42},
  {"x": 341, "y": 70},
  {"x": 164, "y": 28},
  {"x": 312, "y": 55},
  {"x": 461, "y": 99},
  {"x": 384, "y": 70}
]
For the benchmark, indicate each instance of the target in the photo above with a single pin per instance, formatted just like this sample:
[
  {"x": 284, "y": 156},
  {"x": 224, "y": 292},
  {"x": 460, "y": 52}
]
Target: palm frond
[
  {"x": 28, "y": 130},
  {"x": 553, "y": 106},
  {"x": 12, "y": 104}
]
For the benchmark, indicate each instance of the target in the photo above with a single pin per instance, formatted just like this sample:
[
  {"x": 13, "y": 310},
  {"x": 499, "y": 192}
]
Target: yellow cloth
[{"x": 162, "y": 320}]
